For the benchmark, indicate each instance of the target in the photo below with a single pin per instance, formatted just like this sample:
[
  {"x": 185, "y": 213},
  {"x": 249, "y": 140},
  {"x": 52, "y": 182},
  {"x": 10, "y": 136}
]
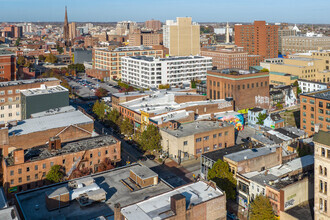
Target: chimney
[
  {"x": 4, "y": 139},
  {"x": 178, "y": 205},
  {"x": 117, "y": 213},
  {"x": 54, "y": 143},
  {"x": 173, "y": 125},
  {"x": 18, "y": 156}
]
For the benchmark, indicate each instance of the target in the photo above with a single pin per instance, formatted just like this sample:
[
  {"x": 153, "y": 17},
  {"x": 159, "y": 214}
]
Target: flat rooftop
[
  {"x": 177, "y": 115},
  {"x": 152, "y": 59},
  {"x": 323, "y": 94},
  {"x": 150, "y": 92},
  {"x": 251, "y": 153},
  {"x": 313, "y": 82},
  {"x": 236, "y": 72},
  {"x": 6, "y": 53},
  {"x": 43, "y": 152},
  {"x": 219, "y": 154},
  {"x": 196, "y": 128},
  {"x": 48, "y": 90},
  {"x": 29, "y": 81},
  {"x": 304, "y": 211},
  {"x": 159, "y": 207},
  {"x": 54, "y": 111},
  {"x": 131, "y": 48},
  {"x": 110, "y": 181},
  {"x": 49, "y": 122},
  {"x": 303, "y": 59},
  {"x": 322, "y": 137}
]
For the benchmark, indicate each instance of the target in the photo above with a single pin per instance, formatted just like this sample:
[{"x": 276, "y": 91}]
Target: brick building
[
  {"x": 154, "y": 25},
  {"x": 10, "y": 96},
  {"x": 321, "y": 177},
  {"x": 315, "y": 111},
  {"x": 189, "y": 140},
  {"x": 69, "y": 126},
  {"x": 104, "y": 59},
  {"x": 145, "y": 38},
  {"x": 227, "y": 58},
  {"x": 7, "y": 66},
  {"x": 258, "y": 38},
  {"x": 27, "y": 169},
  {"x": 248, "y": 88}
]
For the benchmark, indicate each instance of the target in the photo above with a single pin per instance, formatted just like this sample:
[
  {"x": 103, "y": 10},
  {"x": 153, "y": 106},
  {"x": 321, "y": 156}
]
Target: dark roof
[
  {"x": 304, "y": 211},
  {"x": 255, "y": 109},
  {"x": 287, "y": 133},
  {"x": 323, "y": 94},
  {"x": 322, "y": 137},
  {"x": 275, "y": 117},
  {"x": 219, "y": 154}
]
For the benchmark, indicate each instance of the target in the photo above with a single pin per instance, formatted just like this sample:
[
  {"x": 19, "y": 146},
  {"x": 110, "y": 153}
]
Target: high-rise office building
[
  {"x": 258, "y": 38},
  {"x": 182, "y": 37}
]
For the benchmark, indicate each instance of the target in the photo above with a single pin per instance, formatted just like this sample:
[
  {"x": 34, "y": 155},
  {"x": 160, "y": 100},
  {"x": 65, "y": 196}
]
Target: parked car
[
  {"x": 142, "y": 158},
  {"x": 150, "y": 156}
]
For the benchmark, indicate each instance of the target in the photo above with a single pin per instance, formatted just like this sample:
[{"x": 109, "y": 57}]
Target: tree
[
  {"x": 261, "y": 209},
  {"x": 51, "y": 58},
  {"x": 126, "y": 127},
  {"x": 261, "y": 118},
  {"x": 78, "y": 67},
  {"x": 166, "y": 86},
  {"x": 150, "y": 138},
  {"x": 59, "y": 49},
  {"x": 279, "y": 106},
  {"x": 100, "y": 92},
  {"x": 113, "y": 116},
  {"x": 21, "y": 60},
  {"x": 99, "y": 109},
  {"x": 41, "y": 57},
  {"x": 80, "y": 172},
  {"x": 304, "y": 149},
  {"x": 264, "y": 70},
  {"x": 18, "y": 42},
  {"x": 193, "y": 84},
  {"x": 298, "y": 88},
  {"x": 55, "y": 174},
  {"x": 224, "y": 179},
  {"x": 106, "y": 164}
]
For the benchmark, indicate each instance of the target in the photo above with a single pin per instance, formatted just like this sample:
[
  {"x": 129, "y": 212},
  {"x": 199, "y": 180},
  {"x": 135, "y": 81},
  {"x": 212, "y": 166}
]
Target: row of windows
[
  {"x": 239, "y": 86},
  {"x": 207, "y": 137},
  {"x": 2, "y": 92},
  {"x": 9, "y": 115},
  {"x": 28, "y": 178}
]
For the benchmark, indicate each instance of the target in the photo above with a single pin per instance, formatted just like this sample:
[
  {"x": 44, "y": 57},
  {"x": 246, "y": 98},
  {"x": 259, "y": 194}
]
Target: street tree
[
  {"x": 126, "y": 127},
  {"x": 106, "y": 164},
  {"x": 150, "y": 138},
  {"x": 224, "y": 179},
  {"x": 99, "y": 109},
  {"x": 21, "y": 61},
  {"x": 261, "y": 118},
  {"x": 55, "y": 174},
  {"x": 100, "y": 92},
  {"x": 51, "y": 58},
  {"x": 80, "y": 172},
  {"x": 261, "y": 209}
]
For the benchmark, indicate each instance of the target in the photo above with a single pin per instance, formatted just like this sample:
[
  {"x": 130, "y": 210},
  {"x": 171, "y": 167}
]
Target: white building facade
[
  {"x": 311, "y": 86},
  {"x": 150, "y": 72}
]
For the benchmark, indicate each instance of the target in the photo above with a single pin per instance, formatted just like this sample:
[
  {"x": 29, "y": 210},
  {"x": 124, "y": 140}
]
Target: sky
[{"x": 292, "y": 11}]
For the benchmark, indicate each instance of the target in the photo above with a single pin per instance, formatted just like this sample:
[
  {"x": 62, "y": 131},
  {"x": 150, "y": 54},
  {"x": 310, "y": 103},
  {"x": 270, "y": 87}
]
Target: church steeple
[{"x": 66, "y": 28}]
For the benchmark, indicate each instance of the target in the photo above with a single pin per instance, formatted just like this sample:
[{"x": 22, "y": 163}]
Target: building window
[
  {"x": 215, "y": 136},
  {"x": 11, "y": 182},
  {"x": 19, "y": 171},
  {"x": 220, "y": 145},
  {"x": 198, "y": 150},
  {"x": 91, "y": 155},
  {"x": 252, "y": 85},
  {"x": 322, "y": 152},
  {"x": 220, "y": 134},
  {"x": 27, "y": 169},
  {"x": 312, "y": 115},
  {"x": 320, "y": 170},
  {"x": 304, "y": 100},
  {"x": 185, "y": 143},
  {"x": 226, "y": 133},
  {"x": 106, "y": 151},
  {"x": 63, "y": 161},
  {"x": 321, "y": 104},
  {"x": 12, "y": 173},
  {"x": 304, "y": 113},
  {"x": 198, "y": 139},
  {"x": 99, "y": 153},
  {"x": 312, "y": 109},
  {"x": 43, "y": 174},
  {"x": 311, "y": 101},
  {"x": 36, "y": 176},
  {"x": 206, "y": 149},
  {"x": 321, "y": 111},
  {"x": 321, "y": 204},
  {"x": 325, "y": 171},
  {"x": 44, "y": 166},
  {"x": 215, "y": 146},
  {"x": 321, "y": 118},
  {"x": 206, "y": 138},
  {"x": 51, "y": 164},
  {"x": 304, "y": 107},
  {"x": 325, "y": 205},
  {"x": 27, "y": 178},
  {"x": 20, "y": 179},
  {"x": 36, "y": 167}
]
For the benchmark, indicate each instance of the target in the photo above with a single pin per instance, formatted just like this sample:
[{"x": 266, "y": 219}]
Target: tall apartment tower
[
  {"x": 321, "y": 177},
  {"x": 72, "y": 31},
  {"x": 182, "y": 37},
  {"x": 66, "y": 28},
  {"x": 154, "y": 25},
  {"x": 258, "y": 38}
]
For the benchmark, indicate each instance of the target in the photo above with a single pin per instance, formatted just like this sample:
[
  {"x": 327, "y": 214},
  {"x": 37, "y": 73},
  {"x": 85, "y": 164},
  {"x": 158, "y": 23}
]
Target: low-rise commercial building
[
  {"x": 69, "y": 126},
  {"x": 303, "y": 44},
  {"x": 282, "y": 79},
  {"x": 150, "y": 72},
  {"x": 315, "y": 111},
  {"x": 311, "y": 86},
  {"x": 248, "y": 88},
  {"x": 104, "y": 59},
  {"x": 189, "y": 140},
  {"x": 27, "y": 169}
]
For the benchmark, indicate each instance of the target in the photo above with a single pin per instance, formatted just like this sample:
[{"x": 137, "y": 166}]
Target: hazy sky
[{"x": 293, "y": 11}]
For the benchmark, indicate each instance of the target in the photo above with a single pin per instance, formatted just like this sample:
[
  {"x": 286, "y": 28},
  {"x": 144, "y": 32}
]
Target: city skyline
[{"x": 112, "y": 11}]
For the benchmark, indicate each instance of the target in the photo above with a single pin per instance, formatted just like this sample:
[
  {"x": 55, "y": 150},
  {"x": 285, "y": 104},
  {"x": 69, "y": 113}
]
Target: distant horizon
[{"x": 208, "y": 11}]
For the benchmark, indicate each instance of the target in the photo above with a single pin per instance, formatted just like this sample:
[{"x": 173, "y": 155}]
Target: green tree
[
  {"x": 78, "y": 67},
  {"x": 113, "y": 116},
  {"x": 166, "y": 86},
  {"x": 51, "y": 58},
  {"x": 298, "y": 88},
  {"x": 99, "y": 109},
  {"x": 21, "y": 60},
  {"x": 100, "y": 92},
  {"x": 264, "y": 70},
  {"x": 261, "y": 209},
  {"x": 126, "y": 127},
  {"x": 55, "y": 174},
  {"x": 18, "y": 42},
  {"x": 224, "y": 179},
  {"x": 279, "y": 106},
  {"x": 150, "y": 138},
  {"x": 41, "y": 57},
  {"x": 59, "y": 49},
  {"x": 193, "y": 84},
  {"x": 261, "y": 118}
]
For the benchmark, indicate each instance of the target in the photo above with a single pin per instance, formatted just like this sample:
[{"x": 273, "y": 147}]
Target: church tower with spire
[{"x": 66, "y": 29}]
